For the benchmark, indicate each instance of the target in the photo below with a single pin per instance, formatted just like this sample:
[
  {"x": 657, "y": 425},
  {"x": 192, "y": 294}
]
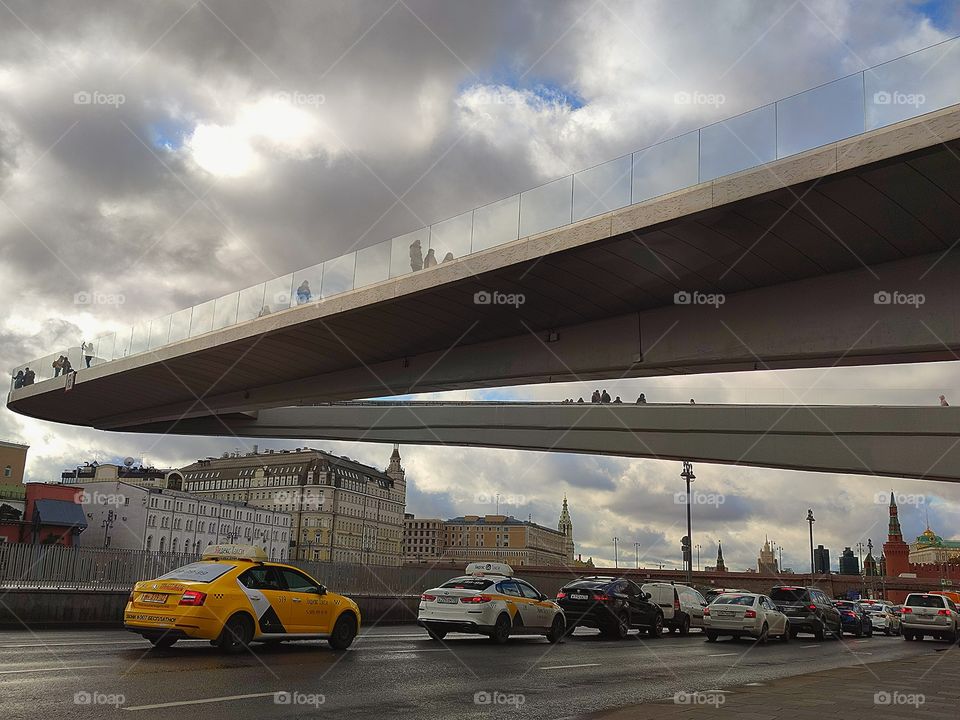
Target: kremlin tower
[{"x": 895, "y": 551}]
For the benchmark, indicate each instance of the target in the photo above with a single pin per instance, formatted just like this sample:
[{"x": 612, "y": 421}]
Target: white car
[
  {"x": 682, "y": 606},
  {"x": 882, "y": 617},
  {"x": 489, "y": 601},
  {"x": 745, "y": 615},
  {"x": 929, "y": 614}
]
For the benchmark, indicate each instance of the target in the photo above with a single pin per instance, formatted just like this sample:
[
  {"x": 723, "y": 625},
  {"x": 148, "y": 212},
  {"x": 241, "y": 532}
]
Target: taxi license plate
[
  {"x": 579, "y": 597},
  {"x": 448, "y": 600},
  {"x": 153, "y": 598}
]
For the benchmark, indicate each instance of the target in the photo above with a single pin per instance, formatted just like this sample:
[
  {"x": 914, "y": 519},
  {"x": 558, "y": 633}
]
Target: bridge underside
[
  {"x": 798, "y": 248},
  {"x": 913, "y": 442}
]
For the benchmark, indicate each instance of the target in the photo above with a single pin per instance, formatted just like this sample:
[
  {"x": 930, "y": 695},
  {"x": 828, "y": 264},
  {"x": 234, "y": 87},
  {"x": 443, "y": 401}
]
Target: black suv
[
  {"x": 809, "y": 611},
  {"x": 613, "y": 605}
]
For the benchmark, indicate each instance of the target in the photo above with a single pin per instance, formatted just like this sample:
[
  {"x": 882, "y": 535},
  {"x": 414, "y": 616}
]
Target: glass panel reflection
[
  {"x": 159, "y": 331},
  {"x": 250, "y": 303},
  {"x": 666, "y": 167},
  {"x": 373, "y": 264},
  {"x": 180, "y": 325},
  {"x": 546, "y": 207},
  {"x": 307, "y": 284},
  {"x": 823, "y": 115},
  {"x": 121, "y": 347},
  {"x": 407, "y": 252},
  {"x": 202, "y": 320},
  {"x": 105, "y": 348},
  {"x": 225, "y": 311},
  {"x": 496, "y": 223},
  {"x": 277, "y": 294},
  {"x": 449, "y": 239},
  {"x": 912, "y": 85},
  {"x": 739, "y": 143},
  {"x": 338, "y": 275},
  {"x": 140, "y": 341},
  {"x": 602, "y": 188}
]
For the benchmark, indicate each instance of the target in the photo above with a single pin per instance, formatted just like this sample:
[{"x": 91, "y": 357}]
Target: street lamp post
[
  {"x": 636, "y": 553},
  {"x": 811, "y": 519},
  {"x": 107, "y": 525},
  {"x": 616, "y": 562},
  {"x": 689, "y": 477},
  {"x": 698, "y": 557}
]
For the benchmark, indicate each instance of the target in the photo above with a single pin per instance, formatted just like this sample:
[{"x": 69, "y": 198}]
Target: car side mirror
[
  {"x": 542, "y": 597},
  {"x": 647, "y": 596},
  {"x": 321, "y": 590}
]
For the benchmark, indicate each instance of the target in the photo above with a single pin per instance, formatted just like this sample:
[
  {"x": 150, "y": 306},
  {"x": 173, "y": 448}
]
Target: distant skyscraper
[
  {"x": 849, "y": 563},
  {"x": 821, "y": 560},
  {"x": 566, "y": 527},
  {"x": 767, "y": 562}
]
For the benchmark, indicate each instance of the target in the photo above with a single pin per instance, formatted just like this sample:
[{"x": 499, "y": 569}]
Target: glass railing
[{"x": 910, "y": 86}]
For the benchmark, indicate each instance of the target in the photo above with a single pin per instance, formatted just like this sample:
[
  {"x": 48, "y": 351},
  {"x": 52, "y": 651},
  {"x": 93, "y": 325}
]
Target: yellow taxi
[
  {"x": 490, "y": 601},
  {"x": 234, "y": 597}
]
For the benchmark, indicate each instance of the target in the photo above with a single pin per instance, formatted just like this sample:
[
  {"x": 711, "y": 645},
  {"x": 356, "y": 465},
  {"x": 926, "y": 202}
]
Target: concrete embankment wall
[{"x": 21, "y": 609}]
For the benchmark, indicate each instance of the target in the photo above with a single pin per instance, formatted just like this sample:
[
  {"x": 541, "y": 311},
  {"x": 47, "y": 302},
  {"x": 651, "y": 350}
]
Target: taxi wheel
[
  {"x": 557, "y": 630},
  {"x": 343, "y": 632},
  {"x": 436, "y": 634},
  {"x": 162, "y": 642},
  {"x": 236, "y": 634},
  {"x": 501, "y": 630}
]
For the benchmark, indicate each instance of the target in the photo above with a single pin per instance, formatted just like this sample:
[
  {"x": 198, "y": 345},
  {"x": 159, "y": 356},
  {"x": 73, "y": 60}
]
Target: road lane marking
[
  {"x": 52, "y": 669},
  {"x": 566, "y": 667},
  {"x": 200, "y": 701},
  {"x": 723, "y": 655},
  {"x": 810, "y": 646}
]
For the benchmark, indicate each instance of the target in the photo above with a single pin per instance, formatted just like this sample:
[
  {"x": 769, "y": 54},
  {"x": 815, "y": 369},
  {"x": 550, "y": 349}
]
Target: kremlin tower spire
[{"x": 566, "y": 527}]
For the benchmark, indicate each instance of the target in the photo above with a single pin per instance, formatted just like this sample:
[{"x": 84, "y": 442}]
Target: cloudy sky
[{"x": 232, "y": 141}]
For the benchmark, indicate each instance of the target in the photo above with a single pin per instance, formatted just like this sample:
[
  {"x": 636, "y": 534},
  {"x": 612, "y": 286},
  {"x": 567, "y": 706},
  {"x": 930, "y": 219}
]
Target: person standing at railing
[
  {"x": 66, "y": 367},
  {"x": 303, "y": 293},
  {"x": 416, "y": 256},
  {"x": 18, "y": 380},
  {"x": 431, "y": 259},
  {"x": 57, "y": 366},
  {"x": 28, "y": 377},
  {"x": 86, "y": 349}
]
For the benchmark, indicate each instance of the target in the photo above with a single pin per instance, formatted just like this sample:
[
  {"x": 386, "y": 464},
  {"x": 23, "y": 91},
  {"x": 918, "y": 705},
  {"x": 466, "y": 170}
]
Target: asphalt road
[{"x": 393, "y": 672}]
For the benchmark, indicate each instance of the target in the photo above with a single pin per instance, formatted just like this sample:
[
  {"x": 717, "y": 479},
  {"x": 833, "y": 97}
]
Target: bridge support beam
[{"x": 911, "y": 442}]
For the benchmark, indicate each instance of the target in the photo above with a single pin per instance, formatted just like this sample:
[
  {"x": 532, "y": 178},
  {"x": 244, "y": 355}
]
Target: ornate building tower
[
  {"x": 566, "y": 527},
  {"x": 895, "y": 550},
  {"x": 720, "y": 565},
  {"x": 767, "y": 562}
]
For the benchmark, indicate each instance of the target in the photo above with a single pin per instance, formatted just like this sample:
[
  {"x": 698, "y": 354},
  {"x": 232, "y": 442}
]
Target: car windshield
[
  {"x": 928, "y": 601},
  {"x": 846, "y": 605},
  {"x": 468, "y": 583},
  {"x": 198, "y": 572},
  {"x": 797, "y": 595},
  {"x": 734, "y": 600}
]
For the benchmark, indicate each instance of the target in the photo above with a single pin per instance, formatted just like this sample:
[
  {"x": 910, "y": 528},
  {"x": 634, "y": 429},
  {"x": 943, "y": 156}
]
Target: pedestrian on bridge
[
  {"x": 595, "y": 398},
  {"x": 943, "y": 402},
  {"x": 605, "y": 397},
  {"x": 642, "y": 400}
]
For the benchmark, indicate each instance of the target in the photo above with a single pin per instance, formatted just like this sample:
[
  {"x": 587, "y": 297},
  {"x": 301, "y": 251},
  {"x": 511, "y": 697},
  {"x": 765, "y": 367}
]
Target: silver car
[
  {"x": 883, "y": 618},
  {"x": 745, "y": 615},
  {"x": 933, "y": 615}
]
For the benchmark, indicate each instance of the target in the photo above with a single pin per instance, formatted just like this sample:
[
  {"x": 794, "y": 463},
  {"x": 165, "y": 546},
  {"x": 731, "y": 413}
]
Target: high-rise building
[
  {"x": 849, "y": 562},
  {"x": 767, "y": 562},
  {"x": 342, "y": 510},
  {"x": 566, "y": 527},
  {"x": 821, "y": 560}
]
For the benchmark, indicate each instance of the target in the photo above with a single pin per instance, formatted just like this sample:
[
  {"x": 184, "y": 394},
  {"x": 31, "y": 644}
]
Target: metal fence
[{"x": 57, "y": 567}]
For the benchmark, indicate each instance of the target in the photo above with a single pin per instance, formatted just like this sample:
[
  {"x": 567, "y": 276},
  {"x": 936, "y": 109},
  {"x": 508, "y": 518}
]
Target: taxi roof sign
[
  {"x": 234, "y": 552},
  {"x": 489, "y": 568}
]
